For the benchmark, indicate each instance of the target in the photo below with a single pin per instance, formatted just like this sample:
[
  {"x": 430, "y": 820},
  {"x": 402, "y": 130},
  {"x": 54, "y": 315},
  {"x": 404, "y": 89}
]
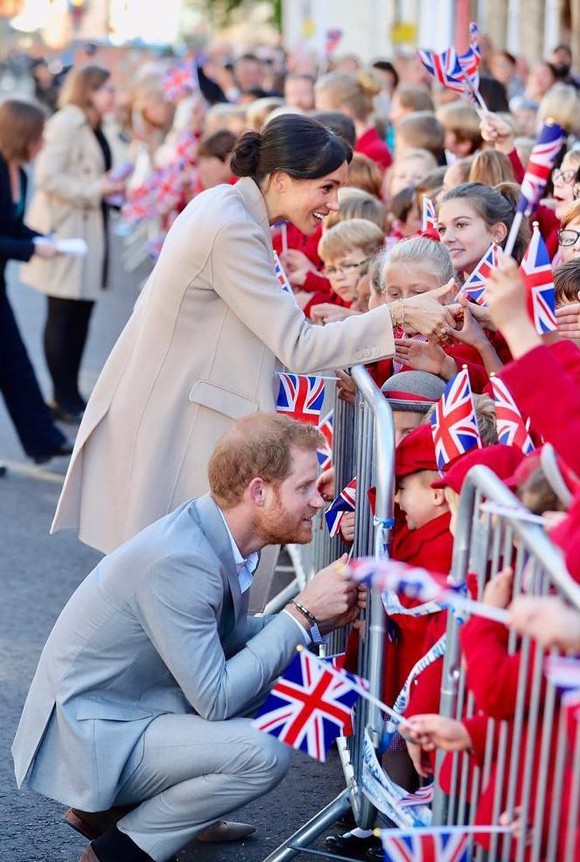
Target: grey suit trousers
[{"x": 188, "y": 772}]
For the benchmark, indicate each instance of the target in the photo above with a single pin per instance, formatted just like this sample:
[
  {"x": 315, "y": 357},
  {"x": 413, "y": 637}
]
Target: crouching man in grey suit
[{"x": 140, "y": 694}]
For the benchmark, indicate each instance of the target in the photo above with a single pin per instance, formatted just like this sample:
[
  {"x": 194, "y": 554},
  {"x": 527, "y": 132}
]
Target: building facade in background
[{"x": 370, "y": 28}]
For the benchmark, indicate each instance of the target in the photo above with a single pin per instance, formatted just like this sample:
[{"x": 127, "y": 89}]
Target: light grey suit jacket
[{"x": 159, "y": 626}]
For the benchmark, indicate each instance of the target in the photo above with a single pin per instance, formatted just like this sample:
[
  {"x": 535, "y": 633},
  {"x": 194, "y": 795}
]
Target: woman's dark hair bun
[{"x": 246, "y": 155}]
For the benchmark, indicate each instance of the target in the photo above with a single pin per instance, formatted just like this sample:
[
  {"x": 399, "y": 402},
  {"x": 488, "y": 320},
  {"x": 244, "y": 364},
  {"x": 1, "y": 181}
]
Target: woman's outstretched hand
[{"x": 428, "y": 313}]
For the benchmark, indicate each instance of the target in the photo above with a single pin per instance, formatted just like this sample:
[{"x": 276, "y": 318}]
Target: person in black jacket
[{"x": 21, "y": 129}]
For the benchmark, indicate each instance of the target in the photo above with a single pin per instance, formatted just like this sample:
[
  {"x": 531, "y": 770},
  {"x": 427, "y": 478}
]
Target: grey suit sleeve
[{"x": 179, "y": 608}]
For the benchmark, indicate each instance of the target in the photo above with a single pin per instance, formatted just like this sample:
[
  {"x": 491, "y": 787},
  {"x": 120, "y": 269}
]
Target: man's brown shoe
[
  {"x": 88, "y": 855},
  {"x": 225, "y": 830},
  {"x": 92, "y": 824}
]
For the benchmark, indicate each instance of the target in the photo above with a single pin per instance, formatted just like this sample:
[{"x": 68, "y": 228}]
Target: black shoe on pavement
[
  {"x": 68, "y": 415},
  {"x": 374, "y": 854},
  {"x": 60, "y": 451},
  {"x": 350, "y": 845}
]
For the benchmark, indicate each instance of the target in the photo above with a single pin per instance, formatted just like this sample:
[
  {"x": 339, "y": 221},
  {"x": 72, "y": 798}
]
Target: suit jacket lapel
[{"x": 215, "y": 530}]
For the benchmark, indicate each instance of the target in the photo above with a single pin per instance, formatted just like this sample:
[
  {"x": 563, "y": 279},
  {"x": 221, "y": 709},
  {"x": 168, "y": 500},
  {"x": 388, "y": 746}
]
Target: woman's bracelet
[{"x": 305, "y": 613}]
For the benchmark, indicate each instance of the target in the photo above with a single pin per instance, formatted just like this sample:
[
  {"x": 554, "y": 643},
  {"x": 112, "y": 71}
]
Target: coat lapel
[
  {"x": 217, "y": 535},
  {"x": 256, "y": 206}
]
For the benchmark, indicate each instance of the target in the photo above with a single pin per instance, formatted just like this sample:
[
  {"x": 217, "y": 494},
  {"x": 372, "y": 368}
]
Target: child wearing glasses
[
  {"x": 346, "y": 251},
  {"x": 569, "y": 234}
]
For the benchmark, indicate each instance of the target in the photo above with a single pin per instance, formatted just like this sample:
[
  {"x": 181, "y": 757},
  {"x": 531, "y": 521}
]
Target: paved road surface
[{"x": 38, "y": 574}]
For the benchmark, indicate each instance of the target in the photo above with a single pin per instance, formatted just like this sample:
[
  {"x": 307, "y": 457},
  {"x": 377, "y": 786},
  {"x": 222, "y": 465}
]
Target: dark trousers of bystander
[
  {"x": 65, "y": 337},
  {"x": 32, "y": 420}
]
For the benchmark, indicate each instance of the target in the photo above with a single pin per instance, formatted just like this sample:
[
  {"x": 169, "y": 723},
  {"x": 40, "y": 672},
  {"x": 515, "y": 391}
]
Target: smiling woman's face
[
  {"x": 466, "y": 234},
  {"x": 307, "y": 202}
]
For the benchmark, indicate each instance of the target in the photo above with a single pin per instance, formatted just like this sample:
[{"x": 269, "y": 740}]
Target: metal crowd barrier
[
  {"x": 535, "y": 762},
  {"x": 370, "y": 425},
  {"x": 364, "y": 446}
]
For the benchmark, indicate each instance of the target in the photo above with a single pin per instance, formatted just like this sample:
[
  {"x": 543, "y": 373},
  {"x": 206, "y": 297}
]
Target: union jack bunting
[
  {"x": 423, "y": 796},
  {"x": 445, "y": 68},
  {"x": 454, "y": 423},
  {"x": 563, "y": 672},
  {"x": 281, "y": 275},
  {"x": 445, "y": 846},
  {"x": 475, "y": 286},
  {"x": 345, "y": 502},
  {"x": 395, "y": 576},
  {"x": 548, "y": 145},
  {"x": 180, "y": 81},
  {"x": 429, "y": 221},
  {"x": 309, "y": 706},
  {"x": 333, "y": 38},
  {"x": 537, "y": 272},
  {"x": 300, "y": 397},
  {"x": 511, "y": 428},
  {"x": 326, "y": 428}
]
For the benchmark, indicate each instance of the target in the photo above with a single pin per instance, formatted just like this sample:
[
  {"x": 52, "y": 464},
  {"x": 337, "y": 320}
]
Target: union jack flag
[
  {"x": 429, "y": 215},
  {"x": 423, "y": 796},
  {"x": 475, "y": 286},
  {"x": 333, "y": 38},
  {"x": 326, "y": 428},
  {"x": 140, "y": 203},
  {"x": 450, "y": 845},
  {"x": 445, "y": 68},
  {"x": 537, "y": 272},
  {"x": 454, "y": 422},
  {"x": 548, "y": 145},
  {"x": 511, "y": 428},
  {"x": 469, "y": 61},
  {"x": 563, "y": 672},
  {"x": 309, "y": 706},
  {"x": 345, "y": 502},
  {"x": 186, "y": 146},
  {"x": 180, "y": 81},
  {"x": 300, "y": 397},
  {"x": 388, "y": 575},
  {"x": 169, "y": 188},
  {"x": 281, "y": 275}
]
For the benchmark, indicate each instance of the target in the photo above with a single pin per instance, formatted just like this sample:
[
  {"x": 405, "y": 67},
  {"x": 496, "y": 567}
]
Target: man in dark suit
[{"x": 143, "y": 691}]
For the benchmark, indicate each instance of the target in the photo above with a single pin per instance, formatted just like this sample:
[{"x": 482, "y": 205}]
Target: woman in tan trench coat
[
  {"x": 200, "y": 349},
  {"x": 71, "y": 182}
]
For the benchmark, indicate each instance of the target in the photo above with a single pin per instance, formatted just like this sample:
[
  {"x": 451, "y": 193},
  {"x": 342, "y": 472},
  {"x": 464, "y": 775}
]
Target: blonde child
[
  {"x": 407, "y": 170},
  {"x": 346, "y": 250}
]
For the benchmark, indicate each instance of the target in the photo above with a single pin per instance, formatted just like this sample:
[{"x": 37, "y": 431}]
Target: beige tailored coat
[
  {"x": 198, "y": 352},
  {"x": 67, "y": 203}
]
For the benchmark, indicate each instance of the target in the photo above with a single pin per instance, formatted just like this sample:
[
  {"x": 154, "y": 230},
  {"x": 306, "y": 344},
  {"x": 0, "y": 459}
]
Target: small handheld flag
[
  {"x": 454, "y": 422},
  {"x": 429, "y": 221},
  {"x": 180, "y": 82},
  {"x": 300, "y": 397},
  {"x": 475, "y": 286},
  {"x": 511, "y": 428},
  {"x": 345, "y": 502},
  {"x": 326, "y": 429},
  {"x": 449, "y": 845},
  {"x": 333, "y": 38},
  {"x": 445, "y": 68},
  {"x": 309, "y": 706},
  {"x": 548, "y": 144},
  {"x": 537, "y": 273}
]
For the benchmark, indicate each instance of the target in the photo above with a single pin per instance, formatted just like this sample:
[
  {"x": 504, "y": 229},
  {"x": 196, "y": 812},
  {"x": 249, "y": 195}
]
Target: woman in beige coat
[
  {"x": 200, "y": 349},
  {"x": 71, "y": 182}
]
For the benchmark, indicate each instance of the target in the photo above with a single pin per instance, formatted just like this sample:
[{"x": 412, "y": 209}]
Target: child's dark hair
[
  {"x": 219, "y": 145},
  {"x": 297, "y": 145},
  {"x": 567, "y": 282},
  {"x": 400, "y": 206}
]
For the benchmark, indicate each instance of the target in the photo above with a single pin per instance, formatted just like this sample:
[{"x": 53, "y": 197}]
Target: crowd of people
[{"x": 222, "y": 164}]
